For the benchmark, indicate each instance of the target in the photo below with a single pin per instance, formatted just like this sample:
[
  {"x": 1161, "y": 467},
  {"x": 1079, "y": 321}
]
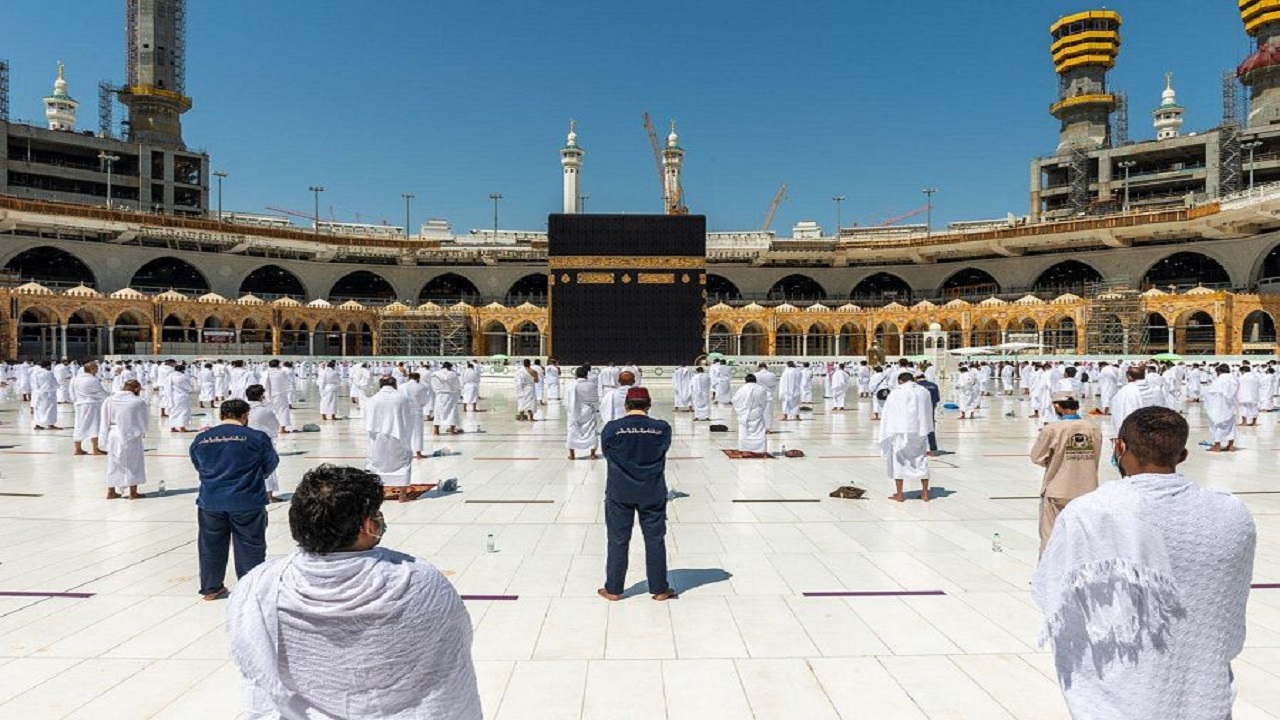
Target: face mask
[
  {"x": 382, "y": 530},
  {"x": 1115, "y": 463}
]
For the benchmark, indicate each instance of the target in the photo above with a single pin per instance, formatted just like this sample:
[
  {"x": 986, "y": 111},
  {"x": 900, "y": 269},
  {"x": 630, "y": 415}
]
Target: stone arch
[
  {"x": 272, "y": 281},
  {"x": 166, "y": 272},
  {"x": 38, "y": 332},
  {"x": 881, "y": 287},
  {"x": 721, "y": 289},
  {"x": 362, "y": 286},
  {"x": 1068, "y": 276},
  {"x": 1195, "y": 333},
  {"x": 1158, "y": 333},
  {"x": 1060, "y": 335},
  {"x": 969, "y": 282},
  {"x": 494, "y": 338},
  {"x": 131, "y": 328},
  {"x": 985, "y": 332},
  {"x": 787, "y": 339},
  {"x": 890, "y": 338},
  {"x": 1268, "y": 266},
  {"x": 797, "y": 287},
  {"x": 820, "y": 339},
  {"x": 177, "y": 329},
  {"x": 1259, "y": 327},
  {"x": 753, "y": 340},
  {"x": 526, "y": 340},
  {"x": 720, "y": 338},
  {"x": 530, "y": 288},
  {"x": 449, "y": 289},
  {"x": 51, "y": 267},
  {"x": 853, "y": 340},
  {"x": 86, "y": 334},
  {"x": 1185, "y": 269}
]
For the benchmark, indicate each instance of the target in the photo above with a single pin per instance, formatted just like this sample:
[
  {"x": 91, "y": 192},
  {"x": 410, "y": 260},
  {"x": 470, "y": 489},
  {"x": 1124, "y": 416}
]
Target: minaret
[
  {"x": 155, "y": 91},
  {"x": 1260, "y": 72},
  {"x": 1084, "y": 49},
  {"x": 1168, "y": 117},
  {"x": 672, "y": 160},
  {"x": 571, "y": 161},
  {"x": 60, "y": 108}
]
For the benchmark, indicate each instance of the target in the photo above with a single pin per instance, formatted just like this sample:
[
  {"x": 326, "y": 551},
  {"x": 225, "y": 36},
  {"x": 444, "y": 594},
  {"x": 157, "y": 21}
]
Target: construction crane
[
  {"x": 773, "y": 208},
  {"x": 652, "y": 132},
  {"x": 905, "y": 216}
]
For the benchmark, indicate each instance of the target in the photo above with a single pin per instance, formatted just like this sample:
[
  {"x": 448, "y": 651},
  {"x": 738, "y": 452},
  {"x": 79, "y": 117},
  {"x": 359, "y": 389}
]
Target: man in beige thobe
[{"x": 1069, "y": 451}]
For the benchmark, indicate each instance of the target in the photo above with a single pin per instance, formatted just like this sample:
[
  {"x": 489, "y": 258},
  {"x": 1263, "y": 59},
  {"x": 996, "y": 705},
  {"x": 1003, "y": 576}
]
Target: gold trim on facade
[
  {"x": 655, "y": 262},
  {"x": 595, "y": 278},
  {"x": 656, "y": 278}
]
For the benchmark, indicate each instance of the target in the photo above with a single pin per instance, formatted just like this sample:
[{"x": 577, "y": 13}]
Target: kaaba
[{"x": 627, "y": 288}]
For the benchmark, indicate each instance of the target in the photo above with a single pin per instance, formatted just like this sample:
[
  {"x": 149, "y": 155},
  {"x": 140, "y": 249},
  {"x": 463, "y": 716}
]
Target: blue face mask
[{"x": 1115, "y": 463}]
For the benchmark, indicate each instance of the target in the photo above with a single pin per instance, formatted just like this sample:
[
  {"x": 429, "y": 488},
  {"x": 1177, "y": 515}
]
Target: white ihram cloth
[
  {"x": 1143, "y": 586},
  {"x": 421, "y": 396},
  {"x": 389, "y": 418},
  {"x": 88, "y": 394},
  {"x": 751, "y": 404},
  {"x": 720, "y": 383},
  {"x": 582, "y": 405},
  {"x": 44, "y": 397},
  {"x": 62, "y": 376},
  {"x": 1221, "y": 404},
  {"x": 328, "y": 383},
  {"x": 237, "y": 382},
  {"x": 447, "y": 387},
  {"x": 874, "y": 383},
  {"x": 208, "y": 385},
  {"x": 1249, "y": 393},
  {"x": 221, "y": 380},
  {"x": 1267, "y": 392},
  {"x": 551, "y": 382},
  {"x": 700, "y": 386},
  {"x": 471, "y": 386},
  {"x": 1108, "y": 383},
  {"x": 179, "y": 400},
  {"x": 279, "y": 386},
  {"x": 526, "y": 391},
  {"x": 681, "y": 388},
  {"x": 839, "y": 388},
  {"x": 1133, "y": 396},
  {"x": 398, "y": 626},
  {"x": 123, "y": 425},
  {"x": 968, "y": 391},
  {"x": 905, "y": 424},
  {"x": 791, "y": 390},
  {"x": 613, "y": 403},
  {"x": 262, "y": 417},
  {"x": 769, "y": 381}
]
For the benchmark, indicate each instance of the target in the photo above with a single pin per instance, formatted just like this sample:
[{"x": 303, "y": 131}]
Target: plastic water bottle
[
  {"x": 161, "y": 486},
  {"x": 996, "y": 544},
  {"x": 488, "y": 543}
]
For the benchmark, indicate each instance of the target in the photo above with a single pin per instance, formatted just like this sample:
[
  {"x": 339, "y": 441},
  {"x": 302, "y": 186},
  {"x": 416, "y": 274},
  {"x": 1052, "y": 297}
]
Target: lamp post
[
  {"x": 929, "y": 193},
  {"x": 220, "y": 175},
  {"x": 1251, "y": 147},
  {"x": 110, "y": 160},
  {"x": 582, "y": 203},
  {"x": 408, "y": 198},
  {"x": 839, "y": 219},
  {"x": 316, "y": 190},
  {"x": 1126, "y": 165},
  {"x": 495, "y": 197}
]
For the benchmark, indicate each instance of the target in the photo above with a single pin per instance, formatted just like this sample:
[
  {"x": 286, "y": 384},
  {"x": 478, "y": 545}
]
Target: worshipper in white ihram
[
  {"x": 526, "y": 391},
  {"x": 550, "y": 381},
  {"x": 613, "y": 399},
  {"x": 278, "y": 384},
  {"x": 263, "y": 417},
  {"x": 968, "y": 392},
  {"x": 839, "y": 388},
  {"x": 328, "y": 383},
  {"x": 208, "y": 386},
  {"x": 179, "y": 384},
  {"x": 907, "y": 420},
  {"x": 341, "y": 628},
  {"x": 1136, "y": 394},
  {"x": 416, "y": 390},
  {"x": 1267, "y": 390},
  {"x": 44, "y": 397},
  {"x": 447, "y": 387},
  {"x": 1249, "y": 394},
  {"x": 88, "y": 394},
  {"x": 877, "y": 381},
  {"x": 791, "y": 390},
  {"x": 471, "y": 387},
  {"x": 62, "y": 376},
  {"x": 701, "y": 392},
  {"x": 124, "y": 424},
  {"x": 389, "y": 418},
  {"x": 681, "y": 389},
  {"x": 721, "y": 378},
  {"x": 751, "y": 405},
  {"x": 1108, "y": 384},
  {"x": 1144, "y": 584},
  {"x": 1221, "y": 404},
  {"x": 582, "y": 408}
]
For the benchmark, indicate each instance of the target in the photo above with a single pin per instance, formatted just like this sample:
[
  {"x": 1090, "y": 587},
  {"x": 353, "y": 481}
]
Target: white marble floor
[{"x": 741, "y": 642}]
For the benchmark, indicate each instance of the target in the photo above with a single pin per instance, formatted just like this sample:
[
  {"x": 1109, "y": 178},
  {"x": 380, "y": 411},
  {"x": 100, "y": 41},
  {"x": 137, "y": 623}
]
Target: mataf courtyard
[{"x": 793, "y": 605}]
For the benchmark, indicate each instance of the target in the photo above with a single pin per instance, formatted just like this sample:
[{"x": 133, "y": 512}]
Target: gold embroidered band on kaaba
[{"x": 654, "y": 262}]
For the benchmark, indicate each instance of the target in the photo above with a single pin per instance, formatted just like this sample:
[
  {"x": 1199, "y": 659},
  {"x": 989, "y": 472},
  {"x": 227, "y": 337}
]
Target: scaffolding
[
  {"x": 4, "y": 91},
  {"x": 1079, "y": 176},
  {"x": 131, "y": 43},
  {"x": 1231, "y": 172},
  {"x": 180, "y": 46},
  {"x": 425, "y": 334},
  {"x": 106, "y": 109},
  {"x": 1120, "y": 121},
  {"x": 1116, "y": 323}
]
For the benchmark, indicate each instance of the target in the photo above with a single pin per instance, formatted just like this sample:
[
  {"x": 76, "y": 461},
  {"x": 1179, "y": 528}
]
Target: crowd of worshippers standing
[{"x": 1140, "y": 623}]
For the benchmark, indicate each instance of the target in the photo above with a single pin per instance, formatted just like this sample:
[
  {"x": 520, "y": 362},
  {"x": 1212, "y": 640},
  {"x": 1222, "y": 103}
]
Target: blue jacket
[
  {"x": 636, "y": 448},
  {"x": 234, "y": 463}
]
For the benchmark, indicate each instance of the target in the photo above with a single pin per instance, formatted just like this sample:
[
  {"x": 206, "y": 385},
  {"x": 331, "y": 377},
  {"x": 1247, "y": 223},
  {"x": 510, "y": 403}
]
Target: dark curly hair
[{"x": 329, "y": 506}]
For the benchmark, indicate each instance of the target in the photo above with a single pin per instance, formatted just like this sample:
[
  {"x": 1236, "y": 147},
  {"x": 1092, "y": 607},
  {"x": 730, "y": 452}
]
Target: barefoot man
[
  {"x": 88, "y": 394},
  {"x": 123, "y": 425},
  {"x": 905, "y": 424}
]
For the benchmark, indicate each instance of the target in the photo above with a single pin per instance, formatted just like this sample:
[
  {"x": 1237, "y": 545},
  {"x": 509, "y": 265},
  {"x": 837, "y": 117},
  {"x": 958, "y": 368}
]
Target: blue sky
[{"x": 453, "y": 101}]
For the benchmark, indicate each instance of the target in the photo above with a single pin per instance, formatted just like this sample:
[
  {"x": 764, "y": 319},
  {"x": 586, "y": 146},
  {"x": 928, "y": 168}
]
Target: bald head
[{"x": 626, "y": 377}]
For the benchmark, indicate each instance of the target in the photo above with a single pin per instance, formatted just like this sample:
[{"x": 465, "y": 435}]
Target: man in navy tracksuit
[
  {"x": 936, "y": 396},
  {"x": 635, "y": 446},
  {"x": 233, "y": 462}
]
